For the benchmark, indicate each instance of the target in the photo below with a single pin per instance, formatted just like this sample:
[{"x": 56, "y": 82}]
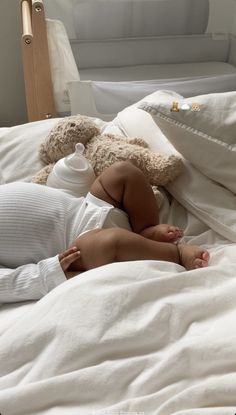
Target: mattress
[{"x": 160, "y": 71}]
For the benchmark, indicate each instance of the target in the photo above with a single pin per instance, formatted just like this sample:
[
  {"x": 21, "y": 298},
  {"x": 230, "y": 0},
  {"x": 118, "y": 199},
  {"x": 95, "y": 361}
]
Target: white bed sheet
[{"x": 142, "y": 337}]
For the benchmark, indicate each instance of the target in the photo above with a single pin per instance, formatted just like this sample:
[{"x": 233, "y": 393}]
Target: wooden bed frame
[{"x": 36, "y": 64}]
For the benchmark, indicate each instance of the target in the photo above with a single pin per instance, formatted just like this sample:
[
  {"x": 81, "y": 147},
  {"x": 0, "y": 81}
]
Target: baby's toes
[
  {"x": 199, "y": 263},
  {"x": 175, "y": 232},
  {"x": 205, "y": 256},
  {"x": 171, "y": 235},
  {"x": 202, "y": 260},
  {"x": 180, "y": 233}
]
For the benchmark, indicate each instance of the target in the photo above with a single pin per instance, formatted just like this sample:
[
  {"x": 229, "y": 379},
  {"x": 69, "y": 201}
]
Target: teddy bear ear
[{"x": 64, "y": 136}]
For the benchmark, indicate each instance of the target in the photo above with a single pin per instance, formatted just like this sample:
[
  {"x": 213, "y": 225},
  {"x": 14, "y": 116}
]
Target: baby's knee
[
  {"x": 110, "y": 243},
  {"x": 99, "y": 247},
  {"x": 126, "y": 170},
  {"x": 113, "y": 239}
]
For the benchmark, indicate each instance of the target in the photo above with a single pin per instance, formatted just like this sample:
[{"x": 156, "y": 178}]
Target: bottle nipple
[{"x": 77, "y": 161}]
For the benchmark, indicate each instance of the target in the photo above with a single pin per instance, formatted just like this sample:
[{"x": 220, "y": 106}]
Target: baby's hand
[{"x": 67, "y": 258}]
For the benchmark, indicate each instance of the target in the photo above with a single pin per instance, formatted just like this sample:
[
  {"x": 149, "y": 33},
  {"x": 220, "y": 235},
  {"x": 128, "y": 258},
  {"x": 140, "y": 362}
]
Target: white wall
[{"x": 12, "y": 96}]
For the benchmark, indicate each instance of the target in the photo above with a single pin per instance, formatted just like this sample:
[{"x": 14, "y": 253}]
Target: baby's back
[{"x": 32, "y": 223}]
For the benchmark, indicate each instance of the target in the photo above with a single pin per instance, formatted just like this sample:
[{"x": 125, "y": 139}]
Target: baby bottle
[{"x": 73, "y": 174}]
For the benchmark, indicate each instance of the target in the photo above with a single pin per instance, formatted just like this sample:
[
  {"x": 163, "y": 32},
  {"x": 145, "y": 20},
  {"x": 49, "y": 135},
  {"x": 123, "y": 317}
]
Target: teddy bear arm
[{"x": 42, "y": 176}]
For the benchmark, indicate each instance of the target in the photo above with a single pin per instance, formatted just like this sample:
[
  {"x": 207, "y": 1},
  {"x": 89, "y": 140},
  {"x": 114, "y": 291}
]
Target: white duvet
[
  {"x": 143, "y": 337},
  {"x": 138, "y": 337}
]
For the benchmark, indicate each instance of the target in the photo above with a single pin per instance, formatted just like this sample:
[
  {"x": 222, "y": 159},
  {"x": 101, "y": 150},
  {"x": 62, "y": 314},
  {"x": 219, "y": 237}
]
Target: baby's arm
[
  {"x": 33, "y": 281},
  {"x": 67, "y": 258}
]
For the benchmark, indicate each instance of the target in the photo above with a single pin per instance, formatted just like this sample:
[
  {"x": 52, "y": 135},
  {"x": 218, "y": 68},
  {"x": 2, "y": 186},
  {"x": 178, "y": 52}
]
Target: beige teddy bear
[{"x": 102, "y": 150}]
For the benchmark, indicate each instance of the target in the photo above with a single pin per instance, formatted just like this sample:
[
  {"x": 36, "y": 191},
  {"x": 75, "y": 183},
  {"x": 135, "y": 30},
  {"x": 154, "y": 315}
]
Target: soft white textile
[
  {"x": 2, "y": 180},
  {"x": 36, "y": 224},
  {"x": 2, "y": 133},
  {"x": 30, "y": 281},
  {"x": 205, "y": 137},
  {"x": 62, "y": 62},
  {"x": 19, "y": 145},
  {"x": 197, "y": 193},
  {"x": 142, "y": 337}
]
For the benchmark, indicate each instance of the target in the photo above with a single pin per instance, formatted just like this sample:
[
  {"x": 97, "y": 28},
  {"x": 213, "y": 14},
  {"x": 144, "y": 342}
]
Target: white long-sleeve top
[{"x": 36, "y": 224}]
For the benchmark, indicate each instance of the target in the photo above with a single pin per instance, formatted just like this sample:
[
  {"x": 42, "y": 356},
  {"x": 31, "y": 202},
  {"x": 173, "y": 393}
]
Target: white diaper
[
  {"x": 99, "y": 214},
  {"x": 115, "y": 218}
]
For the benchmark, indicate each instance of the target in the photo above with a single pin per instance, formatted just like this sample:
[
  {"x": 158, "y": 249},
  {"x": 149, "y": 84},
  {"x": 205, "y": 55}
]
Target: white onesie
[{"x": 38, "y": 222}]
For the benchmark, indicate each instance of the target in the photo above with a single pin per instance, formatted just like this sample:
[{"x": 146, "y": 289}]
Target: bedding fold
[
  {"x": 209, "y": 201},
  {"x": 144, "y": 336},
  {"x": 140, "y": 337}
]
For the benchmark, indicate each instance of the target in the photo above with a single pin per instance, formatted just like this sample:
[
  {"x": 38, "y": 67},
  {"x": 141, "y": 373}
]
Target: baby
[
  {"x": 125, "y": 187},
  {"x": 116, "y": 221}
]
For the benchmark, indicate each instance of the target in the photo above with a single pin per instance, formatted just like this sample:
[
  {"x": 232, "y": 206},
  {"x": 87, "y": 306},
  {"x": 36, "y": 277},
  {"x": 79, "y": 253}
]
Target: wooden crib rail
[
  {"x": 27, "y": 30},
  {"x": 36, "y": 64}
]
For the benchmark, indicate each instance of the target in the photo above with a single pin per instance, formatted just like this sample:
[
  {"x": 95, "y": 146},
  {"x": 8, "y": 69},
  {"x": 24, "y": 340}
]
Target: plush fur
[
  {"x": 104, "y": 150},
  {"x": 42, "y": 176},
  {"x": 63, "y": 137}
]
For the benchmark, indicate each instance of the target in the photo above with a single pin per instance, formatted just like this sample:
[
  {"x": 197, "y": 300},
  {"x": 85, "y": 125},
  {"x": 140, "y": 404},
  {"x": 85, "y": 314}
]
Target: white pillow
[
  {"x": 19, "y": 149},
  {"x": 63, "y": 66},
  {"x": 206, "y": 137},
  {"x": 208, "y": 201}
]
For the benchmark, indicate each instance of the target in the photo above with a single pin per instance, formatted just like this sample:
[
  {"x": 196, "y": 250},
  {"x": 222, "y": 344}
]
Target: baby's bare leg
[
  {"x": 97, "y": 248},
  {"x": 104, "y": 246},
  {"x": 125, "y": 186}
]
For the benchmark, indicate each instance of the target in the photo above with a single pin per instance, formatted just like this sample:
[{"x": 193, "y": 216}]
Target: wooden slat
[
  {"x": 28, "y": 60},
  {"x": 43, "y": 84},
  {"x": 27, "y": 31},
  {"x": 37, "y": 72}
]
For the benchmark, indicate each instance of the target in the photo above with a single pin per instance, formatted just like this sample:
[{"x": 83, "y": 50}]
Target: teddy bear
[{"x": 102, "y": 150}]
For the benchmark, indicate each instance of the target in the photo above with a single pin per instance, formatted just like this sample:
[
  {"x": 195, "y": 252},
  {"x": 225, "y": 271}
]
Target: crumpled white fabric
[{"x": 144, "y": 336}]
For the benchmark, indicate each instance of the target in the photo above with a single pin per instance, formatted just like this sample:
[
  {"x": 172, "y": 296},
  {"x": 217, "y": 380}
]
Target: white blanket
[{"x": 143, "y": 337}]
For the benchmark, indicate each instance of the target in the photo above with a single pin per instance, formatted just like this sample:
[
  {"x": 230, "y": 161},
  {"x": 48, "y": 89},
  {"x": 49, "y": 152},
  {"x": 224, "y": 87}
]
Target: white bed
[{"x": 143, "y": 337}]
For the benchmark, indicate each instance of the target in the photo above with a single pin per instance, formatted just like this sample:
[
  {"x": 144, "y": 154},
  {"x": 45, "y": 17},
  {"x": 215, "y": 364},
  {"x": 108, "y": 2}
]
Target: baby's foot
[
  {"x": 192, "y": 257},
  {"x": 163, "y": 233}
]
